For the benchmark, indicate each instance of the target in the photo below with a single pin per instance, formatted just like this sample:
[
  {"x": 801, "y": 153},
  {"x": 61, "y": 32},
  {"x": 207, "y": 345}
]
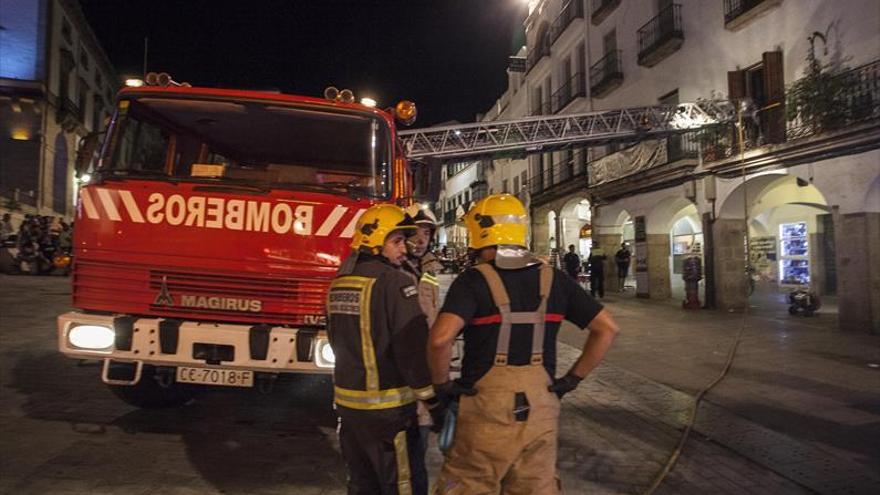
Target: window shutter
[
  {"x": 736, "y": 84},
  {"x": 774, "y": 88}
]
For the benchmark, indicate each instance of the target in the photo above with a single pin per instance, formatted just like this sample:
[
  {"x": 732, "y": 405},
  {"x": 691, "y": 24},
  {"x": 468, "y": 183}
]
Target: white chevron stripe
[
  {"x": 88, "y": 205},
  {"x": 349, "y": 229},
  {"x": 331, "y": 220},
  {"x": 131, "y": 207},
  {"x": 109, "y": 205}
]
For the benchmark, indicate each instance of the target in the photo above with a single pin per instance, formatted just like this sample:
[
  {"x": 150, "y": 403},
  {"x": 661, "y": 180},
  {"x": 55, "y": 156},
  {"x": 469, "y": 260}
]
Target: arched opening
[
  {"x": 575, "y": 226},
  {"x": 790, "y": 240}
]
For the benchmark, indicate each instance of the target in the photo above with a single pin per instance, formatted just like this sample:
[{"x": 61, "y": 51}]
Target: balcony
[
  {"x": 563, "y": 177},
  {"x": 602, "y": 9},
  {"x": 661, "y": 36},
  {"x": 574, "y": 9},
  {"x": 828, "y": 103},
  {"x": 606, "y": 74},
  {"x": 68, "y": 114},
  {"x": 573, "y": 88},
  {"x": 534, "y": 56},
  {"x": 738, "y": 12}
]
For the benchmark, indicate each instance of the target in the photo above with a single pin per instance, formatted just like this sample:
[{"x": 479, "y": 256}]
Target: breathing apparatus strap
[{"x": 509, "y": 318}]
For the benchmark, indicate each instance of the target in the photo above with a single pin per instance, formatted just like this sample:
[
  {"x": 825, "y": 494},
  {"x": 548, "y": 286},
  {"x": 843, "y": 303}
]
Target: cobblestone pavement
[{"x": 61, "y": 431}]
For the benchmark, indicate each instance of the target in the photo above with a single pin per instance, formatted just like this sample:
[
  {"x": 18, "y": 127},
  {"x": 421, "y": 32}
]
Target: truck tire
[{"x": 148, "y": 394}]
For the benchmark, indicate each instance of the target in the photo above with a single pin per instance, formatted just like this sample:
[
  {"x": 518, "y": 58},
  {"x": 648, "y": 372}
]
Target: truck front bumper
[{"x": 173, "y": 343}]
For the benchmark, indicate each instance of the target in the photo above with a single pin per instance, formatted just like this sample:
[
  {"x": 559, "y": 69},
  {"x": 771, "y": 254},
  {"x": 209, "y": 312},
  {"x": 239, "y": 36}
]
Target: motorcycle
[{"x": 803, "y": 301}]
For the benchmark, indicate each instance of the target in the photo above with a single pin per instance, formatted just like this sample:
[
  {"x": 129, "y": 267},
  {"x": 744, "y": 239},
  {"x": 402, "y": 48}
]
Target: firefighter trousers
[
  {"x": 495, "y": 450},
  {"x": 383, "y": 452}
]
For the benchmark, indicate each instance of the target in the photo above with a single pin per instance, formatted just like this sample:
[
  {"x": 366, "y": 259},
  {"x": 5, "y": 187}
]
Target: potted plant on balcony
[{"x": 817, "y": 102}]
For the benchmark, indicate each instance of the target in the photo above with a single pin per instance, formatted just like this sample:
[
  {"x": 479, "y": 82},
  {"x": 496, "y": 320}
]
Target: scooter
[{"x": 803, "y": 301}]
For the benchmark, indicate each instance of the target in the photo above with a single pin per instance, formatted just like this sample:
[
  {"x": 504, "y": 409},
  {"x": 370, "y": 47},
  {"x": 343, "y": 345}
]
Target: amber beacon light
[{"x": 405, "y": 111}]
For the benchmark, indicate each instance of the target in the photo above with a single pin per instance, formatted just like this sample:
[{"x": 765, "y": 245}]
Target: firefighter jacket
[
  {"x": 379, "y": 335},
  {"x": 425, "y": 272}
]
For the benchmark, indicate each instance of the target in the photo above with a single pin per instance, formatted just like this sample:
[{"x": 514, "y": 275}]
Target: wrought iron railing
[
  {"x": 665, "y": 26},
  {"x": 736, "y": 8},
  {"x": 834, "y": 101},
  {"x": 574, "y": 9},
  {"x": 607, "y": 69},
  {"x": 682, "y": 147},
  {"x": 575, "y": 86},
  {"x": 539, "y": 51},
  {"x": 572, "y": 167}
]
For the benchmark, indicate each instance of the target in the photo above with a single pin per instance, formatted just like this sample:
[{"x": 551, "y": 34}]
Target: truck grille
[{"x": 131, "y": 288}]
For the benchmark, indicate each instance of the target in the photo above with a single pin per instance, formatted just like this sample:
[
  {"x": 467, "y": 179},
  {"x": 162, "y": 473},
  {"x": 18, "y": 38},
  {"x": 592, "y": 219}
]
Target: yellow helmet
[
  {"x": 376, "y": 223},
  {"x": 497, "y": 219}
]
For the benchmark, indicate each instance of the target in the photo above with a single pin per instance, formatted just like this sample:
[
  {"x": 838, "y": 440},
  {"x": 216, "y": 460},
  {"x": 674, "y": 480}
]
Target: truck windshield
[{"x": 263, "y": 144}]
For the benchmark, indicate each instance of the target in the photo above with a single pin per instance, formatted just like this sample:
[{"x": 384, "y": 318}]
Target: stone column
[
  {"x": 858, "y": 272},
  {"x": 729, "y": 259},
  {"x": 610, "y": 243},
  {"x": 658, "y": 267}
]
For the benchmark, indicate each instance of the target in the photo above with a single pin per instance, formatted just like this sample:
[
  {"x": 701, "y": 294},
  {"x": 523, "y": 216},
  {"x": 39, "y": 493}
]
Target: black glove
[
  {"x": 564, "y": 385},
  {"x": 446, "y": 393}
]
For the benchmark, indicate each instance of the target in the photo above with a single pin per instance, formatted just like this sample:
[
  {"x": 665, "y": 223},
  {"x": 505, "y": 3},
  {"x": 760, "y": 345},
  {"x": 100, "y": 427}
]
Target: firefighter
[
  {"x": 510, "y": 307},
  {"x": 421, "y": 262},
  {"x": 379, "y": 334},
  {"x": 424, "y": 267}
]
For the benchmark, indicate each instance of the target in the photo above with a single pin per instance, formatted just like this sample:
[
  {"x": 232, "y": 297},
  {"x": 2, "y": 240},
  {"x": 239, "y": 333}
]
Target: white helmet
[{"x": 422, "y": 215}]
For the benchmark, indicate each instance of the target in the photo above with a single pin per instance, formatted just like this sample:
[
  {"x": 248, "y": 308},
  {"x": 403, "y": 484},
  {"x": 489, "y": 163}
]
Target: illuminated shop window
[{"x": 794, "y": 264}]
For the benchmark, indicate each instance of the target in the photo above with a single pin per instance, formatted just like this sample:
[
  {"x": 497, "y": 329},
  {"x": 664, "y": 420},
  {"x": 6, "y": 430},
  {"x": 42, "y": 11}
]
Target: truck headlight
[
  {"x": 94, "y": 337},
  {"x": 324, "y": 357}
]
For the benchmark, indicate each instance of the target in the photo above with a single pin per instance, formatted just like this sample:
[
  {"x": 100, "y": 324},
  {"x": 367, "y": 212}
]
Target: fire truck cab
[{"x": 210, "y": 227}]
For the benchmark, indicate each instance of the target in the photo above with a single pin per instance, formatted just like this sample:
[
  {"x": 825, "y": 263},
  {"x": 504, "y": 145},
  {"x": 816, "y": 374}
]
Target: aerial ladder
[{"x": 543, "y": 133}]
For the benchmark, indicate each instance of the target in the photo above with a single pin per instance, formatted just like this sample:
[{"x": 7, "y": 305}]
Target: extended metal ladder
[{"x": 550, "y": 132}]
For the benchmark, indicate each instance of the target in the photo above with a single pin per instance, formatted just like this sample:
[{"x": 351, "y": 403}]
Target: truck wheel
[{"x": 148, "y": 394}]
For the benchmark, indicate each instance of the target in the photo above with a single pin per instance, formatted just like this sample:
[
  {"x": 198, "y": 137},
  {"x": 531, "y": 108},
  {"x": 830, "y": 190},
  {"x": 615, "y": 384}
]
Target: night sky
[{"x": 449, "y": 56}]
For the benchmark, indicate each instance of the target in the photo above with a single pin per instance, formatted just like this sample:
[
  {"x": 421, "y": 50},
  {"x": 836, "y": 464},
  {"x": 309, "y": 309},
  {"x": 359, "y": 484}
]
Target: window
[
  {"x": 99, "y": 81},
  {"x": 467, "y": 197},
  {"x": 794, "y": 264},
  {"x": 516, "y": 185},
  {"x": 264, "y": 144},
  {"x": 524, "y": 177},
  {"x": 504, "y": 186}
]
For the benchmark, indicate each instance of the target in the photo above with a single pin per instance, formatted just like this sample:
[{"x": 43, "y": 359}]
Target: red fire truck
[{"x": 210, "y": 227}]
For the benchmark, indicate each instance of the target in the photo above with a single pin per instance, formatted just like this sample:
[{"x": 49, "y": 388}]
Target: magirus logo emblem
[{"x": 164, "y": 297}]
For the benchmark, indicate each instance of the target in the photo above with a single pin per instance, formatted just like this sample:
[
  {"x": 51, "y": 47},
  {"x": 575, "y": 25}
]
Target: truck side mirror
[
  {"x": 85, "y": 154},
  {"x": 426, "y": 180}
]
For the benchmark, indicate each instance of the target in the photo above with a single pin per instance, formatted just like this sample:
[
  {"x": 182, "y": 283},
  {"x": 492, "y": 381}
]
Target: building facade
[
  {"x": 802, "y": 171},
  {"x": 56, "y": 86}
]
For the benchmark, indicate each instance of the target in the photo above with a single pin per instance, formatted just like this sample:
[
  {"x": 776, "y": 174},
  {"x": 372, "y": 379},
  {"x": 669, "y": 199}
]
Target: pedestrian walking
[
  {"x": 622, "y": 258},
  {"x": 378, "y": 333},
  {"x": 509, "y": 307},
  {"x": 597, "y": 271},
  {"x": 572, "y": 262}
]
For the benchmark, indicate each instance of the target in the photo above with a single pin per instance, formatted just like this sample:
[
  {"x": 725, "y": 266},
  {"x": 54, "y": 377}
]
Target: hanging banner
[{"x": 641, "y": 255}]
